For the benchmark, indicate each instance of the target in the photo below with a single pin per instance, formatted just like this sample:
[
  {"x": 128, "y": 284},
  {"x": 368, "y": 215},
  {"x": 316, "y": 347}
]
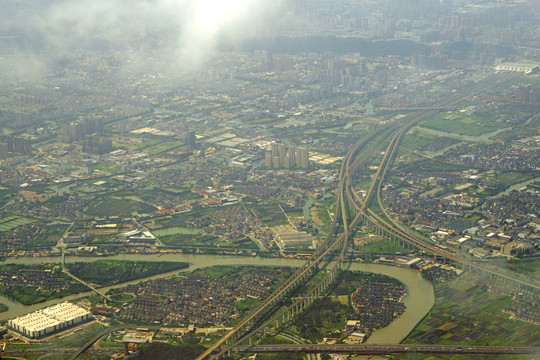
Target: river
[{"x": 419, "y": 299}]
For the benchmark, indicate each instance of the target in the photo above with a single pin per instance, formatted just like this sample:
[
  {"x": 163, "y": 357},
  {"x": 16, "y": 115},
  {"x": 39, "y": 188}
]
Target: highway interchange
[
  {"x": 351, "y": 209},
  {"x": 380, "y": 146}
]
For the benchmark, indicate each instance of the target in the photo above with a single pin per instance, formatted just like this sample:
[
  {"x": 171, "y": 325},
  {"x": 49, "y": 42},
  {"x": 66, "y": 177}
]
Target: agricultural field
[
  {"x": 48, "y": 236},
  {"x": 272, "y": 215},
  {"x": 13, "y": 221},
  {"x": 466, "y": 313}
]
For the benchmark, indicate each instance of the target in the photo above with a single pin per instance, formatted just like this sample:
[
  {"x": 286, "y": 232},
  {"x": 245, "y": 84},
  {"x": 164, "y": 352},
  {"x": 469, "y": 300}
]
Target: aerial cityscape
[{"x": 256, "y": 179}]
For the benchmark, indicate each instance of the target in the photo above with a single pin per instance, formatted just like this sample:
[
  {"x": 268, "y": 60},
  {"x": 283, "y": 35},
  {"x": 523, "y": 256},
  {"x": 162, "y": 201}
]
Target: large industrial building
[
  {"x": 288, "y": 237},
  {"x": 50, "y": 320}
]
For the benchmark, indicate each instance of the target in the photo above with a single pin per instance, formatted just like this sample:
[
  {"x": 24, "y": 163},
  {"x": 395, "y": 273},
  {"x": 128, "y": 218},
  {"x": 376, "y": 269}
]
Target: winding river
[{"x": 419, "y": 299}]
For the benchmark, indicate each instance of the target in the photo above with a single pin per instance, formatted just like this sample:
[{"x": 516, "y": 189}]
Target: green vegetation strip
[
  {"x": 471, "y": 125},
  {"x": 109, "y": 272}
]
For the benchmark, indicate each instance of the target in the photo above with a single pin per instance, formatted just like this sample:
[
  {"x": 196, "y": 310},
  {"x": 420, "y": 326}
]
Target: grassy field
[
  {"x": 177, "y": 230},
  {"x": 186, "y": 240},
  {"x": 112, "y": 206},
  {"x": 27, "y": 295},
  {"x": 531, "y": 268},
  {"x": 200, "y": 240},
  {"x": 382, "y": 246},
  {"x": 323, "y": 208},
  {"x": 418, "y": 140},
  {"x": 472, "y": 125},
  {"x": 243, "y": 243},
  {"x": 427, "y": 165},
  {"x": 511, "y": 178},
  {"x": 163, "y": 147},
  {"x": 107, "y": 167}
]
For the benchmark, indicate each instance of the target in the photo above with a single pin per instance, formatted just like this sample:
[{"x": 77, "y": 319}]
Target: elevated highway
[
  {"x": 389, "y": 227},
  {"x": 351, "y": 209},
  {"x": 358, "y": 349}
]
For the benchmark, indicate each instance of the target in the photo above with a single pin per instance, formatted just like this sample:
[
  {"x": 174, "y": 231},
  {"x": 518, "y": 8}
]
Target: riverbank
[{"x": 418, "y": 301}]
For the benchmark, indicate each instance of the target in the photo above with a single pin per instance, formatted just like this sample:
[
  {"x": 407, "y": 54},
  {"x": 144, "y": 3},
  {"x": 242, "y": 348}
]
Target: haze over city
[{"x": 292, "y": 179}]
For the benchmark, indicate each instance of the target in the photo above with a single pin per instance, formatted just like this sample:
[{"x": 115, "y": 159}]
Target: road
[
  {"x": 66, "y": 271},
  {"x": 389, "y": 349},
  {"x": 362, "y": 154},
  {"x": 330, "y": 243}
]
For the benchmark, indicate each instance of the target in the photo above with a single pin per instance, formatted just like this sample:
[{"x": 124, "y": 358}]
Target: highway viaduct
[
  {"x": 348, "y": 202},
  {"x": 358, "y": 349}
]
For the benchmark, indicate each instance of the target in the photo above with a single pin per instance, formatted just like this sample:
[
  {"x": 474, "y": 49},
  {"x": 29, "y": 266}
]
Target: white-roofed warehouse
[{"x": 50, "y": 320}]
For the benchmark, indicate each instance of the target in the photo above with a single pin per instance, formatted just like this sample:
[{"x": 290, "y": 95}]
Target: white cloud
[{"x": 190, "y": 29}]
